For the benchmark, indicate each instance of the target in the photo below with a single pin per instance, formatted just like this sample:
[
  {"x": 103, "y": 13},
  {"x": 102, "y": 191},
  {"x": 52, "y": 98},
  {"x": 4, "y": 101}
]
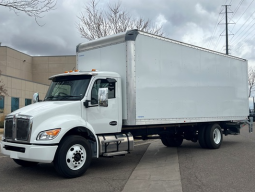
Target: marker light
[
  {"x": 49, "y": 134},
  {"x": 94, "y": 70},
  {"x": 66, "y": 71},
  {"x": 76, "y": 70},
  {"x": 70, "y": 71}
]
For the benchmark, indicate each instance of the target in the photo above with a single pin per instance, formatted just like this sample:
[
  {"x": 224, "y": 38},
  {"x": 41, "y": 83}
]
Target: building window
[
  {"x": 1, "y": 104},
  {"x": 14, "y": 104},
  {"x": 28, "y": 102}
]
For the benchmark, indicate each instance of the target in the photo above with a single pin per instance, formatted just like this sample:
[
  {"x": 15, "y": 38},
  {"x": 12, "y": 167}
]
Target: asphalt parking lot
[
  {"x": 230, "y": 168},
  {"x": 104, "y": 174}
]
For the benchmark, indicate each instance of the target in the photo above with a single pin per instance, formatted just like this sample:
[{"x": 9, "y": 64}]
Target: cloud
[{"x": 193, "y": 21}]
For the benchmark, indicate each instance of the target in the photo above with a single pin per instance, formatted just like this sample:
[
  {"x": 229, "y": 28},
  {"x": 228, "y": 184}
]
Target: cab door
[{"x": 103, "y": 119}]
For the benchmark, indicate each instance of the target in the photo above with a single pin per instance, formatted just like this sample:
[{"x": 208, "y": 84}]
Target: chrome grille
[
  {"x": 8, "y": 128},
  {"x": 22, "y": 129},
  {"x": 18, "y": 128}
]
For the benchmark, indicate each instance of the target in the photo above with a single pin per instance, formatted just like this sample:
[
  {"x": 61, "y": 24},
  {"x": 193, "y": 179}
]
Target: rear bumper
[{"x": 35, "y": 153}]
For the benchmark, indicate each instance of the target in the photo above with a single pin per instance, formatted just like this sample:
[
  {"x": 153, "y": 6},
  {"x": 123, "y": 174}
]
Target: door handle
[{"x": 113, "y": 123}]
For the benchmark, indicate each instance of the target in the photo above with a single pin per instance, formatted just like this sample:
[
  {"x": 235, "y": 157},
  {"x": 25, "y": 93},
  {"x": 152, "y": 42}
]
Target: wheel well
[{"x": 87, "y": 134}]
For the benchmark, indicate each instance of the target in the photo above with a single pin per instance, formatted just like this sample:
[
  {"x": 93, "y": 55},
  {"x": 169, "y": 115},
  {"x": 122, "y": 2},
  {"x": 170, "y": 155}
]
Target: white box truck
[{"x": 130, "y": 84}]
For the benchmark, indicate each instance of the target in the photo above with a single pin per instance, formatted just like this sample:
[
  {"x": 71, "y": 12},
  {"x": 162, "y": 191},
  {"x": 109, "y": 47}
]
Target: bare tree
[
  {"x": 251, "y": 79},
  {"x": 96, "y": 23},
  {"x": 33, "y": 8},
  {"x": 3, "y": 91}
]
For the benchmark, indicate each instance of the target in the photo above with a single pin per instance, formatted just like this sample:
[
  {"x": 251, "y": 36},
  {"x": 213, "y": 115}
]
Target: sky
[{"x": 197, "y": 22}]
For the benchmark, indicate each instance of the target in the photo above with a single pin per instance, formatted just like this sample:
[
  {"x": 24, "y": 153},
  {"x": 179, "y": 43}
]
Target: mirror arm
[{"x": 86, "y": 104}]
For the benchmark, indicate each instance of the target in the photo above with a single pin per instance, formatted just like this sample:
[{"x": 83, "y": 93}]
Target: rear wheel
[
  {"x": 25, "y": 163},
  {"x": 201, "y": 137},
  {"x": 73, "y": 156},
  {"x": 171, "y": 141},
  {"x": 164, "y": 140},
  {"x": 213, "y": 136}
]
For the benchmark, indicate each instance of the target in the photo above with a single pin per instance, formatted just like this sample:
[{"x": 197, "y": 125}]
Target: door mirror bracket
[{"x": 86, "y": 103}]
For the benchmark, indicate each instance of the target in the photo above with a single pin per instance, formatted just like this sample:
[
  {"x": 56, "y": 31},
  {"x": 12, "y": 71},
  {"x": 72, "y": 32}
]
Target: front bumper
[{"x": 35, "y": 153}]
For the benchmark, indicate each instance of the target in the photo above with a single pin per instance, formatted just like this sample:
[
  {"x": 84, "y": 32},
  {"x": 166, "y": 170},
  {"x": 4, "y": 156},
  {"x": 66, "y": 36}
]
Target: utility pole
[
  {"x": 226, "y": 11},
  {"x": 227, "y": 23}
]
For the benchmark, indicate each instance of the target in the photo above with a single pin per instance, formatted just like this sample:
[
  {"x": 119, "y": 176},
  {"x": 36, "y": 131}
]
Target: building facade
[{"x": 23, "y": 75}]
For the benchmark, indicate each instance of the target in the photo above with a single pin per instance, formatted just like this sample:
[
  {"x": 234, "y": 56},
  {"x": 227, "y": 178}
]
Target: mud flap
[{"x": 251, "y": 125}]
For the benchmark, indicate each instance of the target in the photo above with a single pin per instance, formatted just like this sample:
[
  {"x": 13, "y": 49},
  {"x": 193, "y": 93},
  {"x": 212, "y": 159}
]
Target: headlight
[{"x": 48, "y": 135}]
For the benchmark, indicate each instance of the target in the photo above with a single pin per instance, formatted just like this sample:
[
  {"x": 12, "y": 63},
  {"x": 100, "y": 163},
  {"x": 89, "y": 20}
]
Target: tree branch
[
  {"x": 33, "y": 8},
  {"x": 96, "y": 23}
]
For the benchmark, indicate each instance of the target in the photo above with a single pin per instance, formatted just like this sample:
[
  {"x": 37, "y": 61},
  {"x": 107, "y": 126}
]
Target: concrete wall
[
  {"x": 22, "y": 89},
  {"x": 16, "y": 64},
  {"x": 44, "y": 67}
]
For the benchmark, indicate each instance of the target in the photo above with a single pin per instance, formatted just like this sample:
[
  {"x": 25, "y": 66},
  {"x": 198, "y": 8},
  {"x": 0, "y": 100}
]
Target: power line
[
  {"x": 244, "y": 44},
  {"x": 215, "y": 27},
  {"x": 246, "y": 35},
  {"x": 217, "y": 44},
  {"x": 244, "y": 12},
  {"x": 242, "y": 27},
  {"x": 237, "y": 8}
]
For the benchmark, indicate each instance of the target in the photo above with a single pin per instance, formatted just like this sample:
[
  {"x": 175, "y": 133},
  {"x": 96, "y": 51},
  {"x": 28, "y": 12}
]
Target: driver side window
[{"x": 102, "y": 83}]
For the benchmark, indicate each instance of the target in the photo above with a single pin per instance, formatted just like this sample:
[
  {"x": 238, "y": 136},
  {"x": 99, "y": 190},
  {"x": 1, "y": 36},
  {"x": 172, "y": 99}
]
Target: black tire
[
  {"x": 164, "y": 140},
  {"x": 62, "y": 163},
  {"x": 25, "y": 163},
  {"x": 175, "y": 141},
  {"x": 172, "y": 141},
  {"x": 201, "y": 137},
  {"x": 213, "y": 136}
]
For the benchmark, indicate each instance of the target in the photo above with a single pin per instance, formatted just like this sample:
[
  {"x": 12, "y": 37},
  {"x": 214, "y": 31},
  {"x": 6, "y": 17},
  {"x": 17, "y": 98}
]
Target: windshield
[{"x": 68, "y": 88}]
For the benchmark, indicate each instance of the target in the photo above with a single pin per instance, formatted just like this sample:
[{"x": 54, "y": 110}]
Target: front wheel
[
  {"x": 73, "y": 156},
  {"x": 25, "y": 163}
]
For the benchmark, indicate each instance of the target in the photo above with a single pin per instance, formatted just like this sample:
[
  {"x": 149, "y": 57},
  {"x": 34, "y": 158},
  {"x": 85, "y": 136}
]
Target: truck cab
[{"x": 86, "y": 105}]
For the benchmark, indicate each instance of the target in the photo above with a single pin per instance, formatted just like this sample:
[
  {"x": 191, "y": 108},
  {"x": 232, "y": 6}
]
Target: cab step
[{"x": 115, "y": 153}]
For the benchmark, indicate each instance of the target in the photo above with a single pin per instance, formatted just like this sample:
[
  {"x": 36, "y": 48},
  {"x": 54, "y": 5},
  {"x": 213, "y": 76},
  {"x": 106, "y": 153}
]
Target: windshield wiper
[
  {"x": 61, "y": 97},
  {"x": 68, "y": 96},
  {"x": 50, "y": 97}
]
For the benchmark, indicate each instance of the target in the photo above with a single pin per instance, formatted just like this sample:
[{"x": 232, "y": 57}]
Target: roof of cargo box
[{"x": 131, "y": 36}]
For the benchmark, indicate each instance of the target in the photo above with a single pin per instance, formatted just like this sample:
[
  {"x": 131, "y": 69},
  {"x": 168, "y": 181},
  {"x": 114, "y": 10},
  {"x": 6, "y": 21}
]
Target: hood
[{"x": 46, "y": 107}]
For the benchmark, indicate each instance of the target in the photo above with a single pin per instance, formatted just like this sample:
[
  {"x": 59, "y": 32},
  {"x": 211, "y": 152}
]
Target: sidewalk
[
  {"x": 1, "y": 130},
  {"x": 158, "y": 170}
]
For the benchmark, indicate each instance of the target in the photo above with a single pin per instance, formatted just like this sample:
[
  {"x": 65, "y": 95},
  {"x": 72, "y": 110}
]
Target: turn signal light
[
  {"x": 53, "y": 132},
  {"x": 66, "y": 71},
  {"x": 94, "y": 70},
  {"x": 49, "y": 134},
  {"x": 70, "y": 71},
  {"x": 76, "y": 70}
]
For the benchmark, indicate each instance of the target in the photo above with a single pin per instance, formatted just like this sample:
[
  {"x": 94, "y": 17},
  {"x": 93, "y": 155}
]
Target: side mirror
[
  {"x": 36, "y": 97},
  {"x": 103, "y": 97}
]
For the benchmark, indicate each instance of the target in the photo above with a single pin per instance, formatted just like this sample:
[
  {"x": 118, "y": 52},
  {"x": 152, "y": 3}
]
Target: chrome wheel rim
[
  {"x": 76, "y": 157},
  {"x": 216, "y": 136}
]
